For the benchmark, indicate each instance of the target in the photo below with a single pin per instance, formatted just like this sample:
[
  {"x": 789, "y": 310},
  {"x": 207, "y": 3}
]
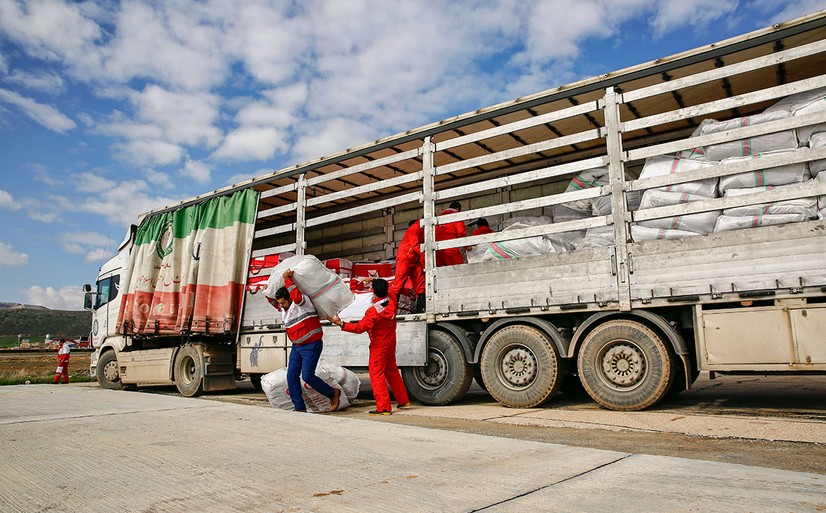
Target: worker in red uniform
[
  {"x": 454, "y": 230},
  {"x": 410, "y": 264},
  {"x": 62, "y": 370},
  {"x": 304, "y": 330},
  {"x": 380, "y": 324},
  {"x": 482, "y": 227}
]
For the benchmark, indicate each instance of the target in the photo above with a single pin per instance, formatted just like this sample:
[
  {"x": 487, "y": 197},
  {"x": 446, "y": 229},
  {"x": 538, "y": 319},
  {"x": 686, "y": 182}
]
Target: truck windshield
[{"x": 107, "y": 290}]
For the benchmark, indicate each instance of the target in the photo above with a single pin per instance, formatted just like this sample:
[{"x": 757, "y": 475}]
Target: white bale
[
  {"x": 357, "y": 308},
  {"x": 277, "y": 391},
  {"x": 668, "y": 164},
  {"x": 564, "y": 214},
  {"x": 801, "y": 104},
  {"x": 702, "y": 222},
  {"x": 803, "y": 206},
  {"x": 727, "y": 223},
  {"x": 817, "y": 140},
  {"x": 527, "y": 246},
  {"x": 477, "y": 253},
  {"x": 526, "y": 221},
  {"x": 598, "y": 237},
  {"x": 323, "y": 286},
  {"x": 587, "y": 179},
  {"x": 785, "y": 140},
  {"x": 821, "y": 200},
  {"x": 641, "y": 233},
  {"x": 779, "y": 175}
]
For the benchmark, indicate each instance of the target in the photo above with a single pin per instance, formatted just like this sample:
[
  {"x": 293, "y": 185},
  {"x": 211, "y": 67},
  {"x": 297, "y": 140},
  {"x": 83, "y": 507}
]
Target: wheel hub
[
  {"x": 110, "y": 371},
  {"x": 623, "y": 365},
  {"x": 519, "y": 366},
  {"x": 434, "y": 373}
]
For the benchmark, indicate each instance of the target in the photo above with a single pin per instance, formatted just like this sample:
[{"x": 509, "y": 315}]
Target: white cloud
[
  {"x": 8, "y": 202},
  {"x": 90, "y": 182},
  {"x": 196, "y": 170},
  {"x": 149, "y": 152},
  {"x": 46, "y": 115},
  {"x": 252, "y": 143},
  {"x": 123, "y": 202},
  {"x": 792, "y": 10},
  {"x": 11, "y": 258},
  {"x": 64, "y": 298},
  {"x": 41, "y": 81},
  {"x": 80, "y": 242},
  {"x": 158, "y": 178},
  {"x": 182, "y": 118},
  {"x": 671, "y": 15}
]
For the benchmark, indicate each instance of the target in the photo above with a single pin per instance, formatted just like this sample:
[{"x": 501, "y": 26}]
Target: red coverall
[
  {"x": 482, "y": 230},
  {"x": 409, "y": 261},
  {"x": 449, "y": 231},
  {"x": 62, "y": 370},
  {"x": 380, "y": 324}
]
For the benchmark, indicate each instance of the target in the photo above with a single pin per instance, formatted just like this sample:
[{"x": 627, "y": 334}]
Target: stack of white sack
[
  {"x": 780, "y": 175},
  {"x": 581, "y": 209},
  {"x": 277, "y": 391},
  {"x": 597, "y": 237},
  {"x": 817, "y": 140},
  {"x": 676, "y": 194},
  {"x": 821, "y": 200},
  {"x": 802, "y": 104},
  {"x": 806, "y": 207},
  {"x": 702, "y": 222},
  {"x": 325, "y": 288},
  {"x": 527, "y": 246},
  {"x": 785, "y": 140}
]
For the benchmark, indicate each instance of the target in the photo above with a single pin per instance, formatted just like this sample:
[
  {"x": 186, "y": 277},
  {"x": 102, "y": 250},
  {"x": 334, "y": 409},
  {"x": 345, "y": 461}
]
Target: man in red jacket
[
  {"x": 304, "y": 330},
  {"x": 454, "y": 230},
  {"x": 410, "y": 264},
  {"x": 62, "y": 371},
  {"x": 380, "y": 324}
]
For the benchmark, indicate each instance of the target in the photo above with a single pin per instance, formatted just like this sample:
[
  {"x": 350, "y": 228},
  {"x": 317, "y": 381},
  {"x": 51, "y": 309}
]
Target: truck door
[{"x": 105, "y": 307}]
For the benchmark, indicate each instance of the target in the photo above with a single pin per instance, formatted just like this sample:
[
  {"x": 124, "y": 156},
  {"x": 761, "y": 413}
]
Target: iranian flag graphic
[{"x": 187, "y": 268}]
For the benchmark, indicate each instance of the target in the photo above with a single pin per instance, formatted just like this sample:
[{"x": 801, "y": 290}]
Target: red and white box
[
  {"x": 341, "y": 266},
  {"x": 373, "y": 270}
]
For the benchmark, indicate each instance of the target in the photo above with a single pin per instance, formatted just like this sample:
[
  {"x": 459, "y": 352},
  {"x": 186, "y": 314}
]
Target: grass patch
[
  {"x": 40, "y": 367},
  {"x": 20, "y": 377},
  {"x": 8, "y": 342}
]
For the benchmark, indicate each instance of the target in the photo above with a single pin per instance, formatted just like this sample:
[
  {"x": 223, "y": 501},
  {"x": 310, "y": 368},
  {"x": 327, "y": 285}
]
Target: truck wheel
[
  {"x": 255, "y": 379},
  {"x": 107, "y": 371},
  {"x": 625, "y": 366},
  {"x": 520, "y": 366},
  {"x": 446, "y": 377},
  {"x": 189, "y": 371}
]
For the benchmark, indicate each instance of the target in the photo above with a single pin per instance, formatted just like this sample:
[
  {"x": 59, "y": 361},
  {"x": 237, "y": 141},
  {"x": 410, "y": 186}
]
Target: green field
[{"x": 8, "y": 342}]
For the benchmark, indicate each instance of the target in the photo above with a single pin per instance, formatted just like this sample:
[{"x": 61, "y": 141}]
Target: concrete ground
[{"x": 81, "y": 448}]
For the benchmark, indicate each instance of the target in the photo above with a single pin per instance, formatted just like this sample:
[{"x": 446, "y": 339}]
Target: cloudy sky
[{"x": 109, "y": 109}]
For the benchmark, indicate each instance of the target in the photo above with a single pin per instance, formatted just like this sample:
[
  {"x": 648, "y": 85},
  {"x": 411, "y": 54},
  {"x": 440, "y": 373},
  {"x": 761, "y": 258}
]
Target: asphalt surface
[{"x": 82, "y": 448}]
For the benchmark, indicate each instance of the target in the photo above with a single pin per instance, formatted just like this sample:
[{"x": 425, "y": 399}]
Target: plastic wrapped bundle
[
  {"x": 727, "y": 223},
  {"x": 275, "y": 388},
  {"x": 598, "y": 237},
  {"x": 641, "y": 233},
  {"x": 564, "y": 214},
  {"x": 817, "y": 140},
  {"x": 325, "y": 288},
  {"x": 780, "y": 175},
  {"x": 785, "y": 140},
  {"x": 527, "y": 246},
  {"x": 587, "y": 179},
  {"x": 802, "y": 104},
  {"x": 803, "y": 206},
  {"x": 668, "y": 164},
  {"x": 702, "y": 222},
  {"x": 357, "y": 309}
]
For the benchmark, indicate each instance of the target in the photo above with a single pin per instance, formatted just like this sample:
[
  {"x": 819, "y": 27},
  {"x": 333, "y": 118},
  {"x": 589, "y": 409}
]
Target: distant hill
[{"x": 37, "y": 321}]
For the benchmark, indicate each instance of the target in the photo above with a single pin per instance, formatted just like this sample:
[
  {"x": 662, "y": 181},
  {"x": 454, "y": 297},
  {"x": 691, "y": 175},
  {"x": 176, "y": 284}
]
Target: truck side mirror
[
  {"x": 87, "y": 288},
  {"x": 87, "y": 301}
]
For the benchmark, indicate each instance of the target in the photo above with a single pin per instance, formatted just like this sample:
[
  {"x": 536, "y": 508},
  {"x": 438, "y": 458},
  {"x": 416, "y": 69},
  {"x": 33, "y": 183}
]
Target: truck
[{"x": 649, "y": 224}]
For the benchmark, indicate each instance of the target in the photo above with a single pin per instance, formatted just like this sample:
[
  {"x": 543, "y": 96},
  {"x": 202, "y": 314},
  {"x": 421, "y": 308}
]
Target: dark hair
[
  {"x": 412, "y": 222},
  {"x": 282, "y": 293},
  {"x": 380, "y": 287},
  {"x": 455, "y": 205},
  {"x": 482, "y": 222}
]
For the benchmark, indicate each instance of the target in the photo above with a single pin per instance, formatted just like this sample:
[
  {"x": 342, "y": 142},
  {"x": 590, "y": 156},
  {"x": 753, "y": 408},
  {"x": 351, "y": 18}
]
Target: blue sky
[{"x": 110, "y": 109}]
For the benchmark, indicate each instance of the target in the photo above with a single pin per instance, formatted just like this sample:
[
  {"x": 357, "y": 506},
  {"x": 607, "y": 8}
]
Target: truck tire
[
  {"x": 255, "y": 379},
  {"x": 107, "y": 371},
  {"x": 520, "y": 366},
  {"x": 625, "y": 365},
  {"x": 446, "y": 377},
  {"x": 189, "y": 371}
]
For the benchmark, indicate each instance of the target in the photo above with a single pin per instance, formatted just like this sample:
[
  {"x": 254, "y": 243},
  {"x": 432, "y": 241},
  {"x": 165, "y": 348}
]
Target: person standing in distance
[
  {"x": 62, "y": 370},
  {"x": 304, "y": 330},
  {"x": 380, "y": 324}
]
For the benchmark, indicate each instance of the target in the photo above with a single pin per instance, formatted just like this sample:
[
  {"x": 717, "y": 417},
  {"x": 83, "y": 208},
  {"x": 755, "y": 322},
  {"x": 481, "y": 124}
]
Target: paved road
[{"x": 81, "y": 448}]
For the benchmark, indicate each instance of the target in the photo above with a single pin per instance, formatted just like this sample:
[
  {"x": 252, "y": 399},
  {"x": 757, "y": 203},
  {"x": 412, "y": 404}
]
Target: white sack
[
  {"x": 528, "y": 246},
  {"x": 641, "y": 233},
  {"x": 526, "y": 221},
  {"x": 702, "y": 222},
  {"x": 323, "y": 286},
  {"x": 598, "y": 237},
  {"x": 587, "y": 179},
  {"x": 563, "y": 214},
  {"x": 668, "y": 164},
  {"x": 726, "y": 223},
  {"x": 780, "y": 175},
  {"x": 786, "y": 140},
  {"x": 275, "y": 388},
  {"x": 803, "y": 206},
  {"x": 357, "y": 309},
  {"x": 477, "y": 252},
  {"x": 801, "y": 104},
  {"x": 817, "y": 140}
]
